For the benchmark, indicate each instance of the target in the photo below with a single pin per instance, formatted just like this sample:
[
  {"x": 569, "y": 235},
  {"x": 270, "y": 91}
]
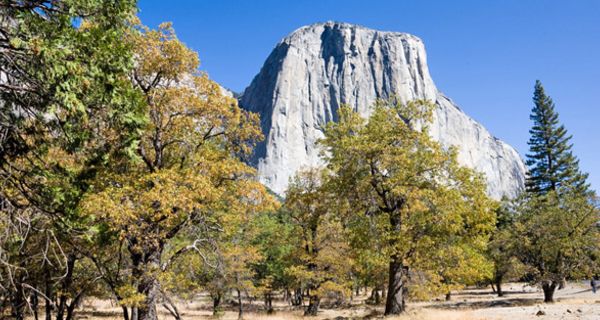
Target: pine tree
[
  {"x": 556, "y": 218},
  {"x": 552, "y": 165}
]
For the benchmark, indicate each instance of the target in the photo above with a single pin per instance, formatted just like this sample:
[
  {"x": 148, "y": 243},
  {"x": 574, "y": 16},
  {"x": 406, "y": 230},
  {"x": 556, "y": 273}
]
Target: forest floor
[{"x": 521, "y": 301}]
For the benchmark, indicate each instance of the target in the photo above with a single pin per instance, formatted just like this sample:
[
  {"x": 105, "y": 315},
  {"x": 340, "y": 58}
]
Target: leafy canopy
[{"x": 423, "y": 202}]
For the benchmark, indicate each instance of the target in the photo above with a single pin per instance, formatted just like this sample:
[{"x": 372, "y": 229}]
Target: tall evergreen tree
[
  {"x": 556, "y": 221},
  {"x": 552, "y": 165}
]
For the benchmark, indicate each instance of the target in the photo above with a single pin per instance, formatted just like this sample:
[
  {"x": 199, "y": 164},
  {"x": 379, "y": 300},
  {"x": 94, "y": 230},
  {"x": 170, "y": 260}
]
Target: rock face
[{"x": 318, "y": 67}]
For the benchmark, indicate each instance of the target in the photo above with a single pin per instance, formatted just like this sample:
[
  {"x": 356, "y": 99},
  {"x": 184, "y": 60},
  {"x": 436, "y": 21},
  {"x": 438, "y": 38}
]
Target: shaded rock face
[{"x": 314, "y": 70}]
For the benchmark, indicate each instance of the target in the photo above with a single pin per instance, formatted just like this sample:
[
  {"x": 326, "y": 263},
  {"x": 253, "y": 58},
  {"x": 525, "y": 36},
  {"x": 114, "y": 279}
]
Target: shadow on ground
[
  {"x": 491, "y": 293},
  {"x": 516, "y": 302}
]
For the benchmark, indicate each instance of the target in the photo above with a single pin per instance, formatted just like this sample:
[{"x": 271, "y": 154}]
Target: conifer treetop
[{"x": 552, "y": 165}]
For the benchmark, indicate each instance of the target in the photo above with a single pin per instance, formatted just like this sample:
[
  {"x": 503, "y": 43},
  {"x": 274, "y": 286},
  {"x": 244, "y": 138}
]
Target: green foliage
[
  {"x": 68, "y": 107},
  {"x": 322, "y": 253},
  {"x": 503, "y": 246},
  {"x": 552, "y": 165},
  {"x": 558, "y": 214},
  {"x": 187, "y": 191},
  {"x": 123, "y": 168},
  {"x": 130, "y": 297},
  {"x": 69, "y": 81},
  {"x": 388, "y": 166},
  {"x": 275, "y": 242},
  {"x": 558, "y": 236},
  {"x": 370, "y": 262},
  {"x": 71, "y": 106}
]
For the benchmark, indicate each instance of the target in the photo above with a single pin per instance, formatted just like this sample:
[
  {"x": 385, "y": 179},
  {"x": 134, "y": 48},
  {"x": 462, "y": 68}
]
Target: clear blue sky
[{"x": 485, "y": 55}]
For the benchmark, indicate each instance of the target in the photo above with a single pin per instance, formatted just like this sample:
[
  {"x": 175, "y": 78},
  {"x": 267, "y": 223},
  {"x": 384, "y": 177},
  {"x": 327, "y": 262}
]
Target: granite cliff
[{"x": 314, "y": 70}]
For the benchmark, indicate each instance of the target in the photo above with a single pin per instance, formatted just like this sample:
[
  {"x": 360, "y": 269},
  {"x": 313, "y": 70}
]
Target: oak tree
[
  {"x": 322, "y": 253},
  {"x": 388, "y": 166},
  {"x": 188, "y": 171}
]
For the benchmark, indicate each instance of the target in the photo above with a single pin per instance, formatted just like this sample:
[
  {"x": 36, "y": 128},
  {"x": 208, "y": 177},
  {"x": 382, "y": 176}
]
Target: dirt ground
[{"x": 521, "y": 301}]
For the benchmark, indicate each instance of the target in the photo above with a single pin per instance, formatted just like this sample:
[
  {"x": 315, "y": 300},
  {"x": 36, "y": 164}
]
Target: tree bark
[
  {"x": 499, "y": 287},
  {"x": 375, "y": 297},
  {"x": 148, "y": 310},
  {"x": 269, "y": 303},
  {"x": 18, "y": 300},
  {"x": 48, "y": 293},
  {"x": 134, "y": 313},
  {"x": 297, "y": 297},
  {"x": 18, "y": 306},
  {"x": 395, "y": 295},
  {"x": 35, "y": 304},
  {"x": 66, "y": 285},
  {"x": 125, "y": 312},
  {"x": 74, "y": 303},
  {"x": 240, "y": 306},
  {"x": 148, "y": 285},
  {"x": 216, "y": 304},
  {"x": 549, "y": 287},
  {"x": 396, "y": 288},
  {"x": 171, "y": 307},
  {"x": 313, "y": 305}
]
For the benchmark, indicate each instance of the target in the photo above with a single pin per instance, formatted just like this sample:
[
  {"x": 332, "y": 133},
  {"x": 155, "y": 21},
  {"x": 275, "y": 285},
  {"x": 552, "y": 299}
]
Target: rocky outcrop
[{"x": 317, "y": 68}]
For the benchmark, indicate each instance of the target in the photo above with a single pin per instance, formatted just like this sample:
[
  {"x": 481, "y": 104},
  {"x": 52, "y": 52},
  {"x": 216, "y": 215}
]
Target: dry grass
[{"x": 521, "y": 302}]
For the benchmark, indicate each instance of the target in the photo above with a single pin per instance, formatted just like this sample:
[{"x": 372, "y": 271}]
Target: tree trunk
[
  {"x": 74, "y": 303},
  {"x": 240, "y": 306},
  {"x": 134, "y": 313},
  {"x": 60, "y": 310},
  {"x": 71, "y": 310},
  {"x": 499, "y": 287},
  {"x": 394, "y": 304},
  {"x": 549, "y": 287},
  {"x": 171, "y": 307},
  {"x": 395, "y": 296},
  {"x": 375, "y": 297},
  {"x": 147, "y": 311},
  {"x": 269, "y": 303},
  {"x": 125, "y": 312},
  {"x": 66, "y": 285},
  {"x": 18, "y": 299},
  {"x": 18, "y": 304},
  {"x": 148, "y": 284},
  {"x": 297, "y": 297},
  {"x": 35, "y": 304},
  {"x": 313, "y": 306},
  {"x": 216, "y": 304},
  {"x": 448, "y": 296},
  {"x": 48, "y": 293}
]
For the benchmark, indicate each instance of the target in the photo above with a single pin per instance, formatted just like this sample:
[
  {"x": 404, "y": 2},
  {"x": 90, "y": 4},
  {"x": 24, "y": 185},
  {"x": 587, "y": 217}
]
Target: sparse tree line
[{"x": 123, "y": 176}]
